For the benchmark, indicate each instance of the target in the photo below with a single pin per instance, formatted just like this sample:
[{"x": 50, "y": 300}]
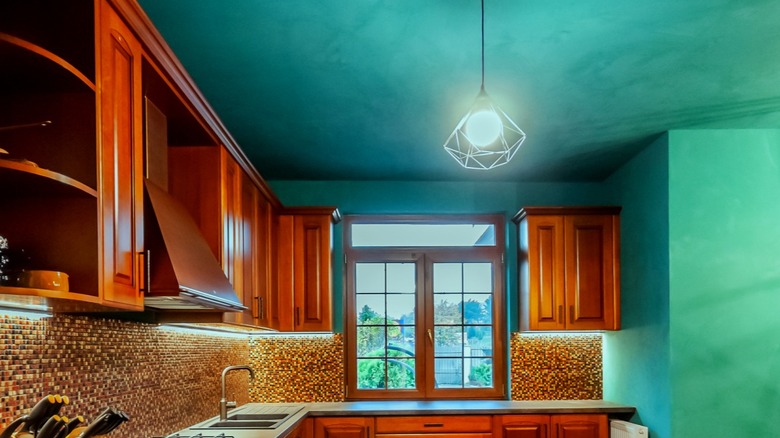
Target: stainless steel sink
[
  {"x": 274, "y": 417},
  {"x": 254, "y": 417},
  {"x": 245, "y": 424}
]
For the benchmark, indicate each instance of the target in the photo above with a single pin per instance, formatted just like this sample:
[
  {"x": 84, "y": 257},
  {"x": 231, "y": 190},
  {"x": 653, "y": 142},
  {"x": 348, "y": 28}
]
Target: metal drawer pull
[{"x": 433, "y": 424}]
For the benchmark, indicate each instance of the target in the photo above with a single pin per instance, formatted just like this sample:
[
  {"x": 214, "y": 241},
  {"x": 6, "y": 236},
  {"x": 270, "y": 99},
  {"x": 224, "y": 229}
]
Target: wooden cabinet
[
  {"x": 434, "y": 426},
  {"x": 344, "y": 427},
  {"x": 302, "y": 299},
  {"x": 236, "y": 218},
  {"x": 121, "y": 161},
  {"x": 303, "y": 430},
  {"x": 521, "y": 426},
  {"x": 48, "y": 120},
  {"x": 551, "y": 426},
  {"x": 569, "y": 268},
  {"x": 78, "y": 82},
  {"x": 579, "y": 426}
]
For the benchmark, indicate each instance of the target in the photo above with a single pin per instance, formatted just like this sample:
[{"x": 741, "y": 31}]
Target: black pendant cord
[{"x": 482, "y": 87}]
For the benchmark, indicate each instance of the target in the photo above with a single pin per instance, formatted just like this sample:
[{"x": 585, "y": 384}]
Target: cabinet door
[
  {"x": 343, "y": 427},
  {"x": 250, "y": 233},
  {"x": 301, "y": 301},
  {"x": 232, "y": 234},
  {"x": 545, "y": 295},
  {"x": 590, "y": 272},
  {"x": 121, "y": 191},
  {"x": 312, "y": 272},
  {"x": 521, "y": 426},
  {"x": 264, "y": 256},
  {"x": 580, "y": 426}
]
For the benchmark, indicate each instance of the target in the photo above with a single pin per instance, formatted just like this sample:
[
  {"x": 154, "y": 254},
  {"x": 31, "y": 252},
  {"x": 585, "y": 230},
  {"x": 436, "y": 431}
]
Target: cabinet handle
[
  {"x": 433, "y": 424},
  {"x": 261, "y": 311},
  {"x": 256, "y": 307},
  {"x": 430, "y": 336},
  {"x": 560, "y": 314},
  {"x": 297, "y": 316},
  {"x": 143, "y": 271},
  {"x": 571, "y": 313}
]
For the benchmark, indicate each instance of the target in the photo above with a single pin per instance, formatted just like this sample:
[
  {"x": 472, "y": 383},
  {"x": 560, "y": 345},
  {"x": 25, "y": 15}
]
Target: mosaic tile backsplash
[
  {"x": 165, "y": 380},
  {"x": 556, "y": 366},
  {"x": 297, "y": 369},
  {"x": 310, "y": 369}
]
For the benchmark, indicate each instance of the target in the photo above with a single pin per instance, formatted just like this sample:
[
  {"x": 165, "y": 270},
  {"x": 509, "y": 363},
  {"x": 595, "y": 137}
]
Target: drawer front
[
  {"x": 436, "y": 435},
  {"x": 434, "y": 424}
]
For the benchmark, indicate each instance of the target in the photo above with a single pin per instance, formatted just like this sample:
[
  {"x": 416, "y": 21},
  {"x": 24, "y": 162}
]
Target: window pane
[
  {"x": 370, "y": 341},
  {"x": 401, "y": 278},
  {"x": 402, "y": 340},
  {"x": 447, "y": 309},
  {"x": 369, "y": 277},
  {"x": 370, "y": 309},
  {"x": 477, "y": 277},
  {"x": 400, "y": 373},
  {"x": 479, "y": 372},
  {"x": 371, "y": 374},
  {"x": 478, "y": 309},
  {"x": 480, "y": 336},
  {"x": 447, "y": 277},
  {"x": 400, "y": 308},
  {"x": 448, "y": 341},
  {"x": 448, "y": 373},
  {"x": 397, "y": 234}
]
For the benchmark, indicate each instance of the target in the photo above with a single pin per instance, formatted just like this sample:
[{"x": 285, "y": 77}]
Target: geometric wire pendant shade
[
  {"x": 474, "y": 155},
  {"x": 485, "y": 137}
]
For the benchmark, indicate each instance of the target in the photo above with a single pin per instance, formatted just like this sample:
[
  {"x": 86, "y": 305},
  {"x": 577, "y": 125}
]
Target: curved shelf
[
  {"x": 41, "y": 52},
  {"x": 24, "y": 298},
  {"x": 35, "y": 180}
]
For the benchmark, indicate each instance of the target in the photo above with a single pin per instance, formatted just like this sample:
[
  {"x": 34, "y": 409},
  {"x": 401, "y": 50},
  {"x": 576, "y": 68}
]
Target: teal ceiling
[{"x": 371, "y": 89}]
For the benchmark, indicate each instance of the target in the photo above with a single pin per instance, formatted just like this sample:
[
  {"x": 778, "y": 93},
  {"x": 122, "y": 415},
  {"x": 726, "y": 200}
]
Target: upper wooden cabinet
[
  {"x": 121, "y": 161},
  {"x": 53, "y": 166},
  {"x": 302, "y": 299},
  {"x": 94, "y": 103},
  {"x": 569, "y": 268}
]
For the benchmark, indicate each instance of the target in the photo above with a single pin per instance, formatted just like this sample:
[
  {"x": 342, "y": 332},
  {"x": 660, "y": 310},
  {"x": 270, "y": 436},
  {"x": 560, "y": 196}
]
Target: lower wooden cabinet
[
  {"x": 344, "y": 427},
  {"x": 551, "y": 426},
  {"x": 304, "y": 430}
]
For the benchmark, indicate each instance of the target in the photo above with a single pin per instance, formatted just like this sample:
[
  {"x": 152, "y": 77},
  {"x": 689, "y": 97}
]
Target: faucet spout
[{"x": 224, "y": 404}]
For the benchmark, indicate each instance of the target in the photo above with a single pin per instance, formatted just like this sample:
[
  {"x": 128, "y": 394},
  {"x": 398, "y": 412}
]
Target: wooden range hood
[{"x": 183, "y": 273}]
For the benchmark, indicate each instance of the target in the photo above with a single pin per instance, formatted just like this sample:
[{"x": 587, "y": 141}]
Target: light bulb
[{"x": 483, "y": 127}]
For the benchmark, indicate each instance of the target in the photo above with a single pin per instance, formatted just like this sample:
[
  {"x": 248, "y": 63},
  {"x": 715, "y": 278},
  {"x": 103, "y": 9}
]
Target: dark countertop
[
  {"x": 466, "y": 407},
  {"x": 394, "y": 407}
]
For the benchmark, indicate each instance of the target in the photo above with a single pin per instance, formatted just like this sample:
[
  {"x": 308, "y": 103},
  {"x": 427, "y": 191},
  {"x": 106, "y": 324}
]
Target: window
[{"x": 424, "y": 308}]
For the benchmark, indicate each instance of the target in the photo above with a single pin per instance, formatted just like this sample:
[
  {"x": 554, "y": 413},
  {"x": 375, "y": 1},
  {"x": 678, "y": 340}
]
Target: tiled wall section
[
  {"x": 164, "y": 380},
  {"x": 556, "y": 366},
  {"x": 297, "y": 369},
  {"x": 310, "y": 369}
]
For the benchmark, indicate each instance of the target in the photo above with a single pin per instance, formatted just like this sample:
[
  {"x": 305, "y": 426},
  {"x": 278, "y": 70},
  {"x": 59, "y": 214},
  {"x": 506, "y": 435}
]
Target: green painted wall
[
  {"x": 402, "y": 197},
  {"x": 724, "y": 246},
  {"x": 636, "y": 358}
]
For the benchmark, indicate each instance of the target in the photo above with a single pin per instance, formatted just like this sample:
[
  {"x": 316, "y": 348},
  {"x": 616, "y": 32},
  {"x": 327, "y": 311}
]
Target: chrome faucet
[{"x": 224, "y": 405}]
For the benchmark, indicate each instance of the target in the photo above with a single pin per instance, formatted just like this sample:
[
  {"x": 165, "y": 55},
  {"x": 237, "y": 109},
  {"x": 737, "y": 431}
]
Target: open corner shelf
[{"x": 35, "y": 180}]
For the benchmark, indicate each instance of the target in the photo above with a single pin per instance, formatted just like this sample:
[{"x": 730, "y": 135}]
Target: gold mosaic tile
[
  {"x": 297, "y": 369},
  {"x": 556, "y": 366},
  {"x": 164, "y": 380}
]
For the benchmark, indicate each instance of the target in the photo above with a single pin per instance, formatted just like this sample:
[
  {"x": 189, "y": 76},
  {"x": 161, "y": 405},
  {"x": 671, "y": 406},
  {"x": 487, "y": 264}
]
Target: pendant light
[{"x": 485, "y": 137}]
